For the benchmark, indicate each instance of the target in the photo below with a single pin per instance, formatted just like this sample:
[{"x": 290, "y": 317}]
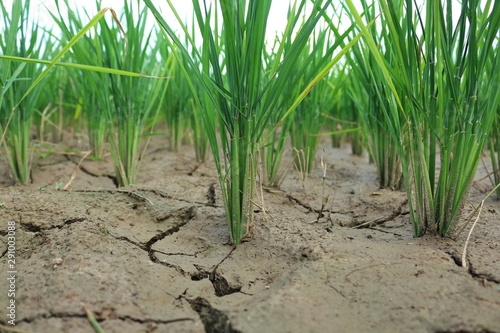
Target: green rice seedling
[
  {"x": 369, "y": 97},
  {"x": 48, "y": 119},
  {"x": 346, "y": 118},
  {"x": 494, "y": 140},
  {"x": 133, "y": 99},
  {"x": 342, "y": 121},
  {"x": 356, "y": 138},
  {"x": 273, "y": 148},
  {"x": 308, "y": 117},
  {"x": 445, "y": 102},
  {"x": 57, "y": 57},
  {"x": 93, "y": 87},
  {"x": 340, "y": 112},
  {"x": 494, "y": 148},
  {"x": 122, "y": 101},
  {"x": 272, "y": 153},
  {"x": 244, "y": 94},
  {"x": 178, "y": 107},
  {"x": 16, "y": 122},
  {"x": 22, "y": 39},
  {"x": 182, "y": 114},
  {"x": 304, "y": 126}
]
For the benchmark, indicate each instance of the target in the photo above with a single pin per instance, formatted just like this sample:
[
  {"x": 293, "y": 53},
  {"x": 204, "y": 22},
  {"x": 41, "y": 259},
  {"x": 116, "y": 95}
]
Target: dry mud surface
[{"x": 156, "y": 257}]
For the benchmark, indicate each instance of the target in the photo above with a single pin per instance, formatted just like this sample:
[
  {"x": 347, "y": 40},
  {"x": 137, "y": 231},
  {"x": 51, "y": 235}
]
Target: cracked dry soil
[{"x": 156, "y": 257}]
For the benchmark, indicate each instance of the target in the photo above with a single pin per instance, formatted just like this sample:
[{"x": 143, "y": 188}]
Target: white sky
[
  {"x": 39, "y": 12},
  {"x": 277, "y": 21}
]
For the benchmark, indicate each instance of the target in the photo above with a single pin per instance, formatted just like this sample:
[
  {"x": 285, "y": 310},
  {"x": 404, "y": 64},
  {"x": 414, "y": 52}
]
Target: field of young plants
[{"x": 168, "y": 174}]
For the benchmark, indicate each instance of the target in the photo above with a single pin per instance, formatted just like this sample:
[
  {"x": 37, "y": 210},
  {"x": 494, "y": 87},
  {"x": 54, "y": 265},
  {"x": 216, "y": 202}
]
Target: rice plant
[
  {"x": 177, "y": 107},
  {"x": 182, "y": 114},
  {"x": 20, "y": 38},
  {"x": 244, "y": 94},
  {"x": 308, "y": 118},
  {"x": 494, "y": 141},
  {"x": 133, "y": 99},
  {"x": 304, "y": 126},
  {"x": 368, "y": 94},
  {"x": 115, "y": 100},
  {"x": 15, "y": 122},
  {"x": 54, "y": 120},
  {"x": 494, "y": 148},
  {"x": 93, "y": 87},
  {"x": 445, "y": 102}
]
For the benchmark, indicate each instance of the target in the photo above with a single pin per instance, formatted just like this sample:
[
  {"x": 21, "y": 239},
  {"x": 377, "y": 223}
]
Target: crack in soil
[
  {"x": 219, "y": 282},
  {"x": 170, "y": 197},
  {"x": 483, "y": 276},
  {"x": 152, "y": 321},
  {"x": 133, "y": 194},
  {"x": 148, "y": 246},
  {"x": 36, "y": 228},
  {"x": 90, "y": 173},
  {"x": 303, "y": 204},
  {"x": 4, "y": 252},
  {"x": 188, "y": 216},
  {"x": 221, "y": 286},
  {"x": 380, "y": 220},
  {"x": 321, "y": 212},
  {"x": 190, "y": 173},
  {"x": 456, "y": 258},
  {"x": 183, "y": 254},
  {"x": 308, "y": 207},
  {"x": 384, "y": 231},
  {"x": 100, "y": 318},
  {"x": 479, "y": 329},
  {"x": 211, "y": 199},
  {"x": 472, "y": 272},
  {"x": 214, "y": 321},
  {"x": 126, "y": 239},
  {"x": 328, "y": 283}
]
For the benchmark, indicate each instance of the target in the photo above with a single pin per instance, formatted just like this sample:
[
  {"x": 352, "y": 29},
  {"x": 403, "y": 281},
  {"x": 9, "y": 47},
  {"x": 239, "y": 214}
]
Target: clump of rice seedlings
[
  {"x": 351, "y": 121},
  {"x": 19, "y": 101},
  {"x": 243, "y": 93},
  {"x": 133, "y": 99},
  {"x": 305, "y": 124},
  {"x": 274, "y": 144},
  {"x": 17, "y": 142},
  {"x": 308, "y": 117},
  {"x": 183, "y": 116},
  {"x": 342, "y": 119},
  {"x": 178, "y": 106},
  {"x": 59, "y": 119},
  {"x": 340, "y": 114},
  {"x": 494, "y": 148},
  {"x": 93, "y": 87},
  {"x": 445, "y": 101},
  {"x": 368, "y": 93},
  {"x": 20, "y": 38},
  {"x": 494, "y": 140},
  {"x": 124, "y": 105},
  {"x": 273, "y": 173}
]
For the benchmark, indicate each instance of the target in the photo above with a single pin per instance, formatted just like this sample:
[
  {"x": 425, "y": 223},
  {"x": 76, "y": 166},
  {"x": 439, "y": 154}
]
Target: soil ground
[{"x": 156, "y": 257}]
